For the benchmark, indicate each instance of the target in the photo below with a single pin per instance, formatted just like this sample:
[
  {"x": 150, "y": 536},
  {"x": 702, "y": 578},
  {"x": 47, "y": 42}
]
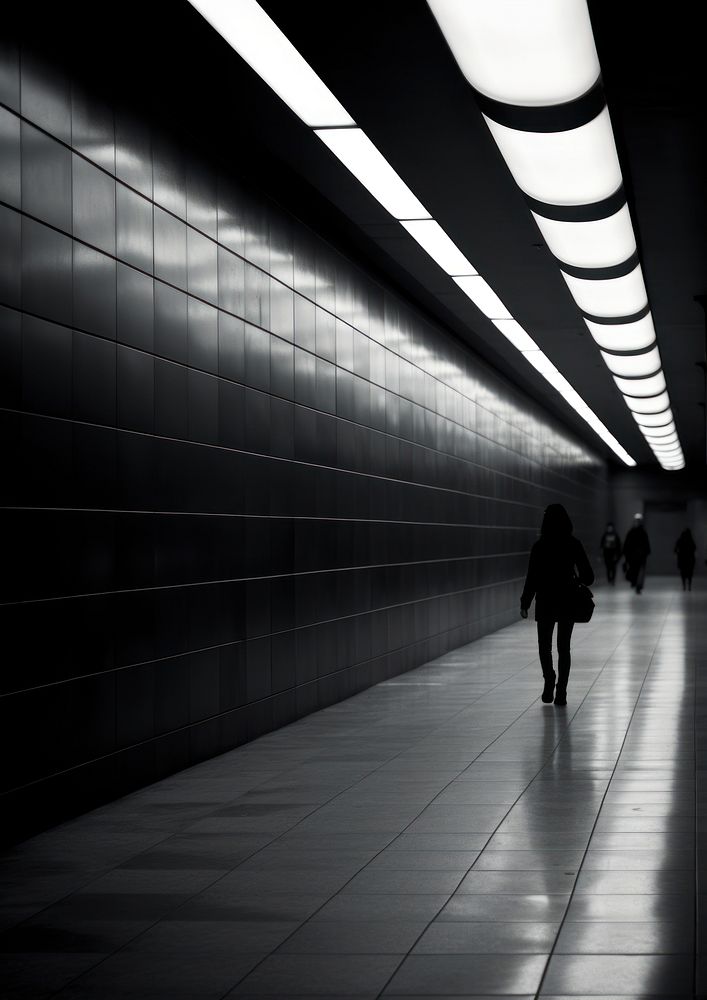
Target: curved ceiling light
[
  {"x": 650, "y": 420},
  {"x": 536, "y": 75},
  {"x": 604, "y": 242},
  {"x": 635, "y": 336},
  {"x": 607, "y": 297},
  {"x": 633, "y": 365},
  {"x": 255, "y": 36}
]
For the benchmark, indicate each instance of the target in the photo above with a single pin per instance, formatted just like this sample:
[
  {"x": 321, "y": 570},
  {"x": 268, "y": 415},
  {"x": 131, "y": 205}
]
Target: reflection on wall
[{"x": 243, "y": 480}]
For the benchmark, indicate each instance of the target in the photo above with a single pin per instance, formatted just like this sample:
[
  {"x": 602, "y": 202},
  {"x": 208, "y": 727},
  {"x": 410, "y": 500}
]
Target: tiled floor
[{"x": 442, "y": 834}]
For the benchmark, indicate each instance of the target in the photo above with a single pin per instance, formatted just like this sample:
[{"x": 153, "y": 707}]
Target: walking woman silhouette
[{"x": 556, "y": 560}]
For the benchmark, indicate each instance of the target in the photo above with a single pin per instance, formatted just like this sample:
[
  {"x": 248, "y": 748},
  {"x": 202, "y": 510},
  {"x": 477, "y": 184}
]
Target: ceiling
[{"x": 390, "y": 67}]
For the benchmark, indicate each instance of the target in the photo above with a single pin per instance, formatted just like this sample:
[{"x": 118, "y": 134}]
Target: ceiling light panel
[
  {"x": 570, "y": 70},
  {"x": 649, "y": 404},
  {"x": 575, "y": 167},
  {"x": 521, "y": 53},
  {"x": 601, "y": 243},
  {"x": 434, "y": 241},
  {"x": 483, "y": 296},
  {"x": 607, "y": 297},
  {"x": 670, "y": 439},
  {"x": 515, "y": 333},
  {"x": 649, "y": 386},
  {"x": 257, "y": 39},
  {"x": 636, "y": 336},
  {"x": 633, "y": 365},
  {"x": 653, "y": 420},
  {"x": 542, "y": 55},
  {"x": 370, "y": 167},
  {"x": 659, "y": 433}
]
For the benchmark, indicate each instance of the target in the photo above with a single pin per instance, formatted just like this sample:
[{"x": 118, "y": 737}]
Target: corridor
[{"x": 440, "y": 834}]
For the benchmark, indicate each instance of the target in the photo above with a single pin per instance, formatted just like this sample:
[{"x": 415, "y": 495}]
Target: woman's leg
[
  {"x": 545, "y": 630},
  {"x": 564, "y": 657}
]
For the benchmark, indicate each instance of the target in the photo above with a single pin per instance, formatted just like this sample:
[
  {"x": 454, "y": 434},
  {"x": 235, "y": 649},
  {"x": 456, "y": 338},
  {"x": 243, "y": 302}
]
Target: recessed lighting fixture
[
  {"x": 253, "y": 34},
  {"x": 434, "y": 241},
  {"x": 575, "y": 167},
  {"x": 370, "y": 167},
  {"x": 515, "y": 333},
  {"x": 521, "y": 53},
  {"x": 600, "y": 243},
  {"x": 633, "y": 365},
  {"x": 636, "y": 336},
  {"x": 483, "y": 296},
  {"x": 257, "y": 39},
  {"x": 651, "y": 385},
  {"x": 622, "y": 296}
]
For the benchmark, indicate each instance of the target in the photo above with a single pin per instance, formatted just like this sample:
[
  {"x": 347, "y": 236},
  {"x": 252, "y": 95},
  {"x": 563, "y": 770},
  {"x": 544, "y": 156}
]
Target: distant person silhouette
[
  {"x": 556, "y": 560},
  {"x": 637, "y": 548},
  {"x": 610, "y": 546},
  {"x": 685, "y": 551}
]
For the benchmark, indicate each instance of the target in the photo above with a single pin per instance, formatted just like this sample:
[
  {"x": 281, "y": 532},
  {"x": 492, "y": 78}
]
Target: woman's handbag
[{"x": 581, "y": 603}]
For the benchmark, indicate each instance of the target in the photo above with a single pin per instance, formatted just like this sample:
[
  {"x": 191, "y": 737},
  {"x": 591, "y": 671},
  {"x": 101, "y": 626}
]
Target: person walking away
[
  {"x": 557, "y": 559},
  {"x": 610, "y": 546},
  {"x": 637, "y": 548},
  {"x": 685, "y": 551}
]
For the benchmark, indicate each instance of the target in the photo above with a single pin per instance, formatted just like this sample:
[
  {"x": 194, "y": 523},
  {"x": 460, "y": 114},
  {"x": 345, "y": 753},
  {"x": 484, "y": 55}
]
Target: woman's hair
[{"x": 556, "y": 522}]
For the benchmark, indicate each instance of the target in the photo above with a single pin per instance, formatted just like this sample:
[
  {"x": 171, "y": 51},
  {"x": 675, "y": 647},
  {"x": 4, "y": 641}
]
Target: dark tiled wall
[{"x": 242, "y": 479}]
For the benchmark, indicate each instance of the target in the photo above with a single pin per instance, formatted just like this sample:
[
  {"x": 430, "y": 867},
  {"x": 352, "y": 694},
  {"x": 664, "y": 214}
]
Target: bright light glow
[
  {"x": 370, "y": 167},
  {"x": 609, "y": 296},
  {"x": 257, "y": 39},
  {"x": 483, "y": 296},
  {"x": 434, "y": 241},
  {"x": 661, "y": 431},
  {"x": 514, "y": 332},
  {"x": 623, "y": 336},
  {"x": 668, "y": 454},
  {"x": 521, "y": 53},
  {"x": 575, "y": 167},
  {"x": 603, "y": 243},
  {"x": 671, "y": 439},
  {"x": 654, "y": 419},
  {"x": 547, "y": 369},
  {"x": 633, "y": 365},
  {"x": 649, "y": 386},
  {"x": 651, "y": 404}
]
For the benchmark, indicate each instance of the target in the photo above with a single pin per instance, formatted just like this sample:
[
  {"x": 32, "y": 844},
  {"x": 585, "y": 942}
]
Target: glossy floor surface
[{"x": 441, "y": 834}]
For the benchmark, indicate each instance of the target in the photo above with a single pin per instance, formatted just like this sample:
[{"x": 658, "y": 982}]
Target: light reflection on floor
[{"x": 443, "y": 834}]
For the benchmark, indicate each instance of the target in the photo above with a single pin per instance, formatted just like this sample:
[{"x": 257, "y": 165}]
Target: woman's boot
[{"x": 549, "y": 687}]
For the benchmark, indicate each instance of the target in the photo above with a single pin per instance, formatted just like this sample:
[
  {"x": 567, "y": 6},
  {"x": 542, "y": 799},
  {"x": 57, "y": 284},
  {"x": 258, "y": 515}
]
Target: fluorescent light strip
[
  {"x": 370, "y": 167},
  {"x": 547, "y": 369},
  {"x": 255, "y": 36},
  {"x": 249, "y": 30},
  {"x": 434, "y": 241},
  {"x": 483, "y": 296},
  {"x": 623, "y": 296},
  {"x": 515, "y": 333}
]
